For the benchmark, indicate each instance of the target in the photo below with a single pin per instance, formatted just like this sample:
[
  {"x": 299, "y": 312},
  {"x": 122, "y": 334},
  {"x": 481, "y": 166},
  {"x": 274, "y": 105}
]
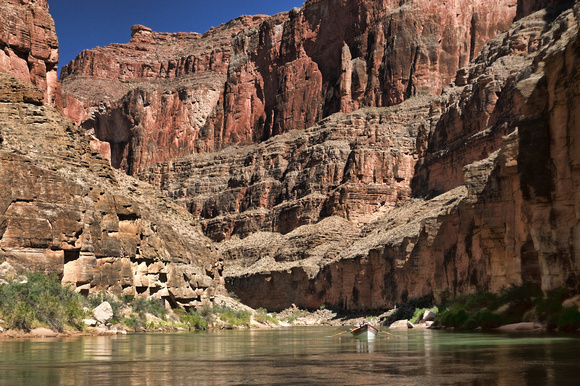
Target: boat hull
[{"x": 366, "y": 331}]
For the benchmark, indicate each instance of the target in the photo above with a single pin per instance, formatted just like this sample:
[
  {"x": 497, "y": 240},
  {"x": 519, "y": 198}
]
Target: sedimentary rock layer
[
  {"x": 64, "y": 210},
  {"x": 29, "y": 46},
  {"x": 155, "y": 98},
  {"x": 257, "y": 77},
  {"x": 354, "y": 165},
  {"x": 331, "y": 196},
  {"x": 508, "y": 214}
]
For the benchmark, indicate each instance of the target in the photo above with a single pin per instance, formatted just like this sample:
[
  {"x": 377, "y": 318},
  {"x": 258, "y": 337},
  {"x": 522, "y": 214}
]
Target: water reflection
[{"x": 292, "y": 356}]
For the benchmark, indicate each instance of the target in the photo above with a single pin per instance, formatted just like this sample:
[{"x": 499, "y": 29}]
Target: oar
[
  {"x": 340, "y": 333},
  {"x": 388, "y": 333}
]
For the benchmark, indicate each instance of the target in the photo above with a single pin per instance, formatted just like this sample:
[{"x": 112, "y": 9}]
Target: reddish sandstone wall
[
  {"x": 29, "y": 46},
  {"x": 258, "y": 77}
]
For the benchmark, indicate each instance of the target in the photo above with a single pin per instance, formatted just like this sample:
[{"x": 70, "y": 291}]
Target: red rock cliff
[
  {"x": 474, "y": 189},
  {"x": 65, "y": 211},
  {"x": 280, "y": 73},
  {"x": 29, "y": 46},
  {"x": 155, "y": 97},
  {"x": 505, "y": 154}
]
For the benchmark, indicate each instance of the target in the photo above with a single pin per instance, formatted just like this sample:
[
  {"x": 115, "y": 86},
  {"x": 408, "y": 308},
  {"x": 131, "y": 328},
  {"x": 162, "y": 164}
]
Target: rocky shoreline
[
  {"x": 44, "y": 333},
  {"x": 290, "y": 317}
]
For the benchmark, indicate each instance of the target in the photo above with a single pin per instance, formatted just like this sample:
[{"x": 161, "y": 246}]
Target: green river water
[{"x": 294, "y": 356}]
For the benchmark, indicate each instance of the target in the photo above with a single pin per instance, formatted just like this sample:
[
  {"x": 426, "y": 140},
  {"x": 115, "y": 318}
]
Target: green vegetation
[
  {"x": 407, "y": 310},
  {"x": 143, "y": 306},
  {"x": 419, "y": 312},
  {"x": 262, "y": 316},
  {"x": 232, "y": 318},
  {"x": 192, "y": 319},
  {"x": 295, "y": 315},
  {"x": 516, "y": 304},
  {"x": 219, "y": 316},
  {"x": 486, "y": 310},
  {"x": 41, "y": 302}
]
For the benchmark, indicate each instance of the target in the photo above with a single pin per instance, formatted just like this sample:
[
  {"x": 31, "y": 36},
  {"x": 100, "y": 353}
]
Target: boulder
[
  {"x": 526, "y": 326},
  {"x": 43, "y": 332},
  {"x": 572, "y": 302},
  {"x": 401, "y": 325},
  {"x": 429, "y": 316},
  {"x": 7, "y": 272},
  {"x": 423, "y": 325},
  {"x": 103, "y": 313},
  {"x": 90, "y": 322}
]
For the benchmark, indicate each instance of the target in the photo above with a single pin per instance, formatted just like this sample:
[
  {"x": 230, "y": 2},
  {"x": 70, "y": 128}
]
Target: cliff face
[
  {"x": 156, "y": 97},
  {"x": 336, "y": 193},
  {"x": 29, "y": 46},
  {"x": 258, "y": 77},
  {"x": 336, "y": 55},
  {"x": 63, "y": 210},
  {"x": 504, "y": 153},
  {"x": 353, "y": 165}
]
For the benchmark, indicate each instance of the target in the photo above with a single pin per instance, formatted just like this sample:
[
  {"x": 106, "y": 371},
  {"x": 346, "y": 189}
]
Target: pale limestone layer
[{"x": 65, "y": 211}]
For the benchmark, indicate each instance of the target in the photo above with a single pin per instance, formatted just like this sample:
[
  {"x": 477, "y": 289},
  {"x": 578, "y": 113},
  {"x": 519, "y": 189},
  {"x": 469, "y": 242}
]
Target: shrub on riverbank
[
  {"x": 262, "y": 316},
  {"x": 192, "y": 319},
  {"x": 516, "y": 304},
  {"x": 419, "y": 312},
  {"x": 216, "y": 316},
  {"x": 407, "y": 310},
  {"x": 41, "y": 302},
  {"x": 232, "y": 318}
]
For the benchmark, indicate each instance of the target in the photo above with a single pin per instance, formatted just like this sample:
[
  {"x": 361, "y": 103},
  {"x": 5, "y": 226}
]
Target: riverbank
[{"x": 38, "y": 306}]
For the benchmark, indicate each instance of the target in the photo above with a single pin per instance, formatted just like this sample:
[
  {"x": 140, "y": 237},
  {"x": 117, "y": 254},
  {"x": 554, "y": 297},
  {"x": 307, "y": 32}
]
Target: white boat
[{"x": 365, "y": 331}]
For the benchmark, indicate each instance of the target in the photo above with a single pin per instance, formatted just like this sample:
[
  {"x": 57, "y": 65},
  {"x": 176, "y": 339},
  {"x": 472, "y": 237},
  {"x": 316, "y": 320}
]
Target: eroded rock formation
[
  {"x": 29, "y": 46},
  {"x": 258, "y": 77},
  {"x": 156, "y": 97},
  {"x": 504, "y": 153},
  {"x": 351, "y": 184},
  {"x": 64, "y": 210},
  {"x": 354, "y": 165}
]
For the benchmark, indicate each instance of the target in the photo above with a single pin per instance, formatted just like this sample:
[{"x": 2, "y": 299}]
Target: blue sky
[{"x": 83, "y": 24}]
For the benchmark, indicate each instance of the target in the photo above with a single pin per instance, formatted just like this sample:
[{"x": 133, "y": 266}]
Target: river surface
[{"x": 294, "y": 356}]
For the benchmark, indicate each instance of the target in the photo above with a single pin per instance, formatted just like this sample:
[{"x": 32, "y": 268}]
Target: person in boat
[{"x": 361, "y": 324}]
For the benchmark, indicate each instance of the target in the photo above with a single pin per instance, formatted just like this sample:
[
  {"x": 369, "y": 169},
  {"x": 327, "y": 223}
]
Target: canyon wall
[
  {"x": 410, "y": 149},
  {"x": 65, "y": 211},
  {"x": 29, "y": 46},
  {"x": 354, "y": 165},
  {"x": 155, "y": 98},
  {"x": 167, "y": 95},
  {"x": 500, "y": 164}
]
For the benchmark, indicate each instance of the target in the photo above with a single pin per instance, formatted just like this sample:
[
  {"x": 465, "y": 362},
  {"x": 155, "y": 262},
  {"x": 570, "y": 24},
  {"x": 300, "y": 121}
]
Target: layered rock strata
[
  {"x": 354, "y": 165},
  {"x": 65, "y": 211},
  {"x": 257, "y": 77},
  {"x": 29, "y": 46},
  {"x": 156, "y": 97},
  {"x": 506, "y": 142},
  {"x": 475, "y": 189}
]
